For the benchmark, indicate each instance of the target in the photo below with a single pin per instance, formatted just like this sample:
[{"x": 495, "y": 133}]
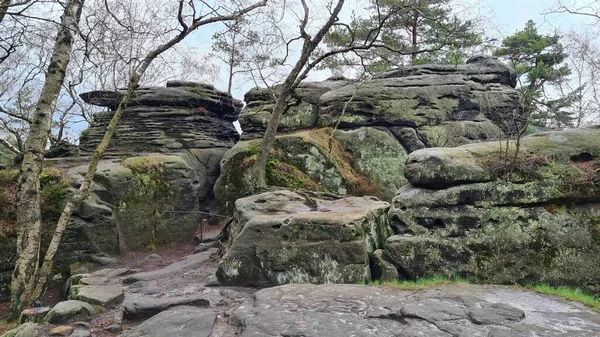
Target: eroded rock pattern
[
  {"x": 282, "y": 237},
  {"x": 447, "y": 311},
  {"x": 395, "y": 113},
  {"x": 184, "y": 115},
  {"x": 477, "y": 212}
]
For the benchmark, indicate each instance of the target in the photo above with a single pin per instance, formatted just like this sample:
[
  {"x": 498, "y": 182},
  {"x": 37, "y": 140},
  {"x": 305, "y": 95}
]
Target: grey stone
[
  {"x": 33, "y": 315},
  {"x": 69, "y": 312},
  {"x": 282, "y": 237},
  {"x": 102, "y": 295},
  {"x": 164, "y": 120},
  {"x": 441, "y": 311},
  {"x": 189, "y": 262},
  {"x": 180, "y": 321},
  {"x": 25, "y": 330},
  {"x": 144, "y": 307},
  {"x": 417, "y": 96},
  {"x": 443, "y": 167}
]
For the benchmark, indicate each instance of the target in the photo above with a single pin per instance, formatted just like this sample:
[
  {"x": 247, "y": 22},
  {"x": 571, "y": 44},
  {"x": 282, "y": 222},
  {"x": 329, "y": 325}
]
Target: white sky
[{"x": 503, "y": 17}]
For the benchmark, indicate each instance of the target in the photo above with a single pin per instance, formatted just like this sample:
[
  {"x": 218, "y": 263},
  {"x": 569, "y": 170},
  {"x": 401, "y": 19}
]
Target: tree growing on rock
[
  {"x": 539, "y": 61},
  {"x": 306, "y": 61},
  {"x": 29, "y": 279}
]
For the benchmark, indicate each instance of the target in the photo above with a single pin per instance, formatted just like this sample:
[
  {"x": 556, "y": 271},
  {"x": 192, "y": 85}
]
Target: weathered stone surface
[
  {"x": 176, "y": 268},
  {"x": 33, "y": 315},
  {"x": 180, "y": 116},
  {"x": 144, "y": 199},
  {"x": 365, "y": 161},
  {"x": 61, "y": 330},
  {"x": 180, "y": 322},
  {"x": 103, "y": 295},
  {"x": 283, "y": 237},
  {"x": 25, "y": 330},
  {"x": 141, "y": 308},
  {"x": 417, "y": 96},
  {"x": 260, "y": 102},
  {"x": 443, "y": 167},
  {"x": 445, "y": 311},
  {"x": 69, "y": 312},
  {"x": 537, "y": 222}
]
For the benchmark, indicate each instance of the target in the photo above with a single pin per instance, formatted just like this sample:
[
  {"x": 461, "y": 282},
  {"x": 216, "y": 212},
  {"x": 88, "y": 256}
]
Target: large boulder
[
  {"x": 377, "y": 123},
  {"x": 283, "y": 237},
  {"x": 476, "y": 211},
  {"x": 142, "y": 201},
  {"x": 443, "y": 167},
  {"x": 184, "y": 115},
  {"x": 481, "y": 91},
  {"x": 364, "y": 161}
]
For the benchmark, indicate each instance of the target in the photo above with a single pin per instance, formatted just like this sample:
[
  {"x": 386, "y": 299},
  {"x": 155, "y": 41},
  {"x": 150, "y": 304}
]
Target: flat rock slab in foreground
[
  {"x": 180, "y": 322},
  {"x": 458, "y": 310}
]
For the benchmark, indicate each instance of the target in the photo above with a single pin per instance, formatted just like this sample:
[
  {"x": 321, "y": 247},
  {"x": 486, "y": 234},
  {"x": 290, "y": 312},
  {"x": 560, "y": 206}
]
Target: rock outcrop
[
  {"x": 184, "y": 115},
  {"x": 444, "y": 311},
  {"x": 159, "y": 171},
  {"x": 476, "y": 211},
  {"x": 395, "y": 113},
  {"x": 170, "y": 141},
  {"x": 283, "y": 237}
]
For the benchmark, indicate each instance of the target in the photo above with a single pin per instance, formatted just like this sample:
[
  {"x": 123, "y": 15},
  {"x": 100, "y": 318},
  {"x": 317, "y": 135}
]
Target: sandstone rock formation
[
  {"x": 393, "y": 114},
  {"x": 477, "y": 212},
  {"x": 170, "y": 142},
  {"x": 160, "y": 170},
  {"x": 283, "y": 237},
  {"x": 184, "y": 115}
]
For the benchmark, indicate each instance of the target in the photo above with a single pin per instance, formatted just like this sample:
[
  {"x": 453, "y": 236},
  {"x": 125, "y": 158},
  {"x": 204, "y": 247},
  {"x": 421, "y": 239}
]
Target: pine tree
[
  {"x": 539, "y": 61},
  {"x": 424, "y": 29}
]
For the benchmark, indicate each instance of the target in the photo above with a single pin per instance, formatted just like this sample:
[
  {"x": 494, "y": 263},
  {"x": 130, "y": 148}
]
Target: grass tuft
[
  {"x": 421, "y": 283},
  {"x": 571, "y": 294},
  {"x": 567, "y": 293}
]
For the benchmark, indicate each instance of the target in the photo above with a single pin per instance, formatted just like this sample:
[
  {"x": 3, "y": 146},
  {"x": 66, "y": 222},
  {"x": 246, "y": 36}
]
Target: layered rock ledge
[
  {"x": 481, "y": 212},
  {"x": 283, "y": 237},
  {"x": 384, "y": 119},
  {"x": 182, "y": 115}
]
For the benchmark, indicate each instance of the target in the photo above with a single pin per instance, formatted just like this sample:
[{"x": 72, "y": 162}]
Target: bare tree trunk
[
  {"x": 258, "y": 171},
  {"x": 231, "y": 64},
  {"x": 134, "y": 79},
  {"x": 29, "y": 218}
]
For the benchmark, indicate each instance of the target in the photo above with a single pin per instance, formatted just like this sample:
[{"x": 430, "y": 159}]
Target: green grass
[
  {"x": 571, "y": 294},
  {"x": 567, "y": 293},
  {"x": 425, "y": 282}
]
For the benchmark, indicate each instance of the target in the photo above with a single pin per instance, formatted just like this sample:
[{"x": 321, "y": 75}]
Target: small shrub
[{"x": 525, "y": 167}]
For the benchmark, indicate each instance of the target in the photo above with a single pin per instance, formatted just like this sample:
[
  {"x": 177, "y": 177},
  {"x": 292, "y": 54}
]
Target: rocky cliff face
[
  {"x": 160, "y": 170},
  {"x": 184, "y": 115},
  {"x": 394, "y": 114},
  {"x": 476, "y": 212},
  {"x": 170, "y": 142}
]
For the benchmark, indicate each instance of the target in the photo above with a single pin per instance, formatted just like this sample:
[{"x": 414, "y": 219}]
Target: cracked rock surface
[{"x": 457, "y": 310}]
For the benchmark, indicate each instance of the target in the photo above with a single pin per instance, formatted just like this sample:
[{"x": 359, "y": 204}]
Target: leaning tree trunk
[
  {"x": 29, "y": 218},
  {"x": 134, "y": 80},
  {"x": 258, "y": 171}
]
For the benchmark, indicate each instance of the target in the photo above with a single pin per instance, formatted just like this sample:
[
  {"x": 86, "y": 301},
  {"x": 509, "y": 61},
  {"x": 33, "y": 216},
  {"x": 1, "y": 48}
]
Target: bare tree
[
  {"x": 29, "y": 218},
  {"x": 188, "y": 19}
]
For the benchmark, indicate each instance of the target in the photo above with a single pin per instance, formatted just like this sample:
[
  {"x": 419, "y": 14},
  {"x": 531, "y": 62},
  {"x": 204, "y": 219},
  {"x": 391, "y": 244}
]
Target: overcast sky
[{"x": 502, "y": 18}]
